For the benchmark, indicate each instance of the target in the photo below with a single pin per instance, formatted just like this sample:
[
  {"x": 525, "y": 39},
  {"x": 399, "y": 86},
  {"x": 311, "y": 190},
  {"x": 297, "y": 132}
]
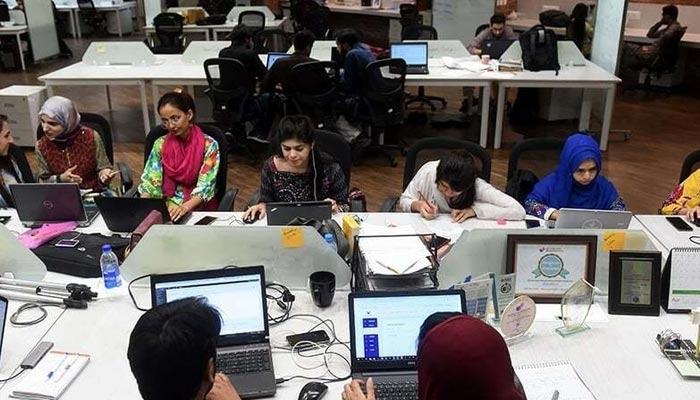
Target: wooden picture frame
[
  {"x": 547, "y": 265},
  {"x": 635, "y": 283}
]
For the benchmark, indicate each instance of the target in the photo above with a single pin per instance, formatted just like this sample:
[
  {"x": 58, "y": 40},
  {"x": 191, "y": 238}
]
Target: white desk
[
  {"x": 16, "y": 31},
  {"x": 74, "y": 14},
  {"x": 666, "y": 234},
  {"x": 636, "y": 35},
  {"x": 375, "y": 12},
  {"x": 211, "y": 32}
]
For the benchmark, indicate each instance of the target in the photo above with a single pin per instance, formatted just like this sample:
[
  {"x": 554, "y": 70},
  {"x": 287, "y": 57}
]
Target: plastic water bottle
[
  {"x": 110, "y": 267},
  {"x": 328, "y": 237}
]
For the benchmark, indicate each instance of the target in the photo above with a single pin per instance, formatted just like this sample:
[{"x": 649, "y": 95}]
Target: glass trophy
[{"x": 575, "y": 305}]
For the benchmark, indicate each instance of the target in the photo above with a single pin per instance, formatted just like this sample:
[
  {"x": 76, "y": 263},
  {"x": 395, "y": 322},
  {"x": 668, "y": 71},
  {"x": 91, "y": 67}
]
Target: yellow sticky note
[
  {"x": 293, "y": 237},
  {"x": 101, "y": 48},
  {"x": 614, "y": 240}
]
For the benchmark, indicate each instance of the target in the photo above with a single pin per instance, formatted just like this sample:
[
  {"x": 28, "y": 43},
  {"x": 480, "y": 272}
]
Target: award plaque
[
  {"x": 575, "y": 306},
  {"x": 634, "y": 283},
  {"x": 517, "y": 317}
]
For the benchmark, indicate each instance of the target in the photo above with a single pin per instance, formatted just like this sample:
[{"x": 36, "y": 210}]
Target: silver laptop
[
  {"x": 41, "y": 203},
  {"x": 273, "y": 57},
  {"x": 573, "y": 218},
  {"x": 414, "y": 53},
  {"x": 384, "y": 329},
  {"x": 284, "y": 213},
  {"x": 243, "y": 349}
]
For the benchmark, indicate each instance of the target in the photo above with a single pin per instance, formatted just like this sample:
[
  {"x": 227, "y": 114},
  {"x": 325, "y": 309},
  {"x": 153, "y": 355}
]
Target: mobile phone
[
  {"x": 206, "y": 220},
  {"x": 679, "y": 224},
  {"x": 319, "y": 337},
  {"x": 532, "y": 223},
  {"x": 4, "y": 219},
  {"x": 67, "y": 243}
]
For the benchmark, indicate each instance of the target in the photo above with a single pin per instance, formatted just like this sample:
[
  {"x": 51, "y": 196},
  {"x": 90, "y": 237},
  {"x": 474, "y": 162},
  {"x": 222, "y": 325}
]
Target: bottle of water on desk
[
  {"x": 328, "y": 237},
  {"x": 110, "y": 267}
]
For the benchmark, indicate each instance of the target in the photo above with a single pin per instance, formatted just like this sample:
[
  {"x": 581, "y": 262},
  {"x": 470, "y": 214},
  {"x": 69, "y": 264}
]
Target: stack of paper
[
  {"x": 393, "y": 255},
  {"x": 51, "y": 377}
]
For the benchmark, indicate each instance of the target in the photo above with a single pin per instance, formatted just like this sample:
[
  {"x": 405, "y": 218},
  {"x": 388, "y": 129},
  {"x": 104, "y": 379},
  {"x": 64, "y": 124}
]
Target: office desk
[
  {"x": 211, "y": 32},
  {"x": 636, "y": 35},
  {"x": 74, "y": 14},
  {"x": 668, "y": 236},
  {"x": 16, "y": 31}
]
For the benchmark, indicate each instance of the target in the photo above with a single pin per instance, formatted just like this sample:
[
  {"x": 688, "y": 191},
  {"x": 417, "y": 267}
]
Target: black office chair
[
  {"x": 226, "y": 197},
  {"x": 529, "y": 161},
  {"x": 480, "y": 28},
  {"x": 101, "y": 125},
  {"x": 435, "y": 148},
  {"x": 312, "y": 90},
  {"x": 254, "y": 20},
  {"x": 409, "y": 15},
  {"x": 422, "y": 32},
  {"x": 690, "y": 164},
  {"x": 669, "y": 53},
  {"x": 314, "y": 17},
  {"x": 169, "y": 36},
  {"x": 271, "y": 40},
  {"x": 232, "y": 93},
  {"x": 20, "y": 158},
  {"x": 91, "y": 17}
]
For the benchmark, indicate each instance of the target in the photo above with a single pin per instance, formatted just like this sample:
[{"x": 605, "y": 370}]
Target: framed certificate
[
  {"x": 635, "y": 283},
  {"x": 546, "y": 266}
]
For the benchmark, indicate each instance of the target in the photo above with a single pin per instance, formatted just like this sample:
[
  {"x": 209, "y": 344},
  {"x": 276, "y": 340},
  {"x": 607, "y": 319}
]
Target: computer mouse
[
  {"x": 251, "y": 218},
  {"x": 313, "y": 391}
]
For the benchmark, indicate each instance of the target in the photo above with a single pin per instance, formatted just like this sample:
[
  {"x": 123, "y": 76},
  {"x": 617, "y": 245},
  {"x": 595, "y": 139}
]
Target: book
[
  {"x": 541, "y": 380},
  {"x": 56, "y": 371}
]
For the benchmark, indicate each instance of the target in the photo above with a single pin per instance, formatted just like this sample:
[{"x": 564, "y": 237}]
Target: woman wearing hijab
[
  {"x": 576, "y": 183},
  {"x": 183, "y": 164},
  {"x": 459, "y": 358},
  {"x": 69, "y": 152},
  {"x": 12, "y": 169}
]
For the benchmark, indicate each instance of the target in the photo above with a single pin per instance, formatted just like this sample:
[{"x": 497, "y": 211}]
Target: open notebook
[
  {"x": 541, "y": 380},
  {"x": 51, "y": 377}
]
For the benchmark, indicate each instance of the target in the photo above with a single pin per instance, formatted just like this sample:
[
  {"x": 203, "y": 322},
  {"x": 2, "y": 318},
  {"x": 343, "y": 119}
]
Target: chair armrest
[
  {"x": 125, "y": 174},
  {"x": 228, "y": 200},
  {"x": 133, "y": 192},
  {"x": 389, "y": 204}
]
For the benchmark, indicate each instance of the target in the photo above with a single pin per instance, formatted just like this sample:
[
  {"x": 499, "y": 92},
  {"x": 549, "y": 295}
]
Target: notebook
[
  {"x": 272, "y": 57},
  {"x": 384, "y": 329},
  {"x": 40, "y": 203},
  {"x": 541, "y": 380},
  {"x": 574, "y": 218},
  {"x": 56, "y": 371},
  {"x": 243, "y": 349},
  {"x": 414, "y": 53}
]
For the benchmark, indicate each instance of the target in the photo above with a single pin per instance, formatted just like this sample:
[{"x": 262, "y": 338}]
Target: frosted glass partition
[
  {"x": 119, "y": 53},
  {"x": 200, "y": 50},
  {"x": 17, "y": 259},
  {"x": 482, "y": 250},
  {"x": 233, "y": 14},
  {"x": 168, "y": 248}
]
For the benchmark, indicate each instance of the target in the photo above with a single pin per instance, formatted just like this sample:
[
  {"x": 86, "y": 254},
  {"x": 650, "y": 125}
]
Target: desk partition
[
  {"x": 167, "y": 249},
  {"x": 18, "y": 260},
  {"x": 198, "y": 51},
  {"x": 119, "y": 53}
]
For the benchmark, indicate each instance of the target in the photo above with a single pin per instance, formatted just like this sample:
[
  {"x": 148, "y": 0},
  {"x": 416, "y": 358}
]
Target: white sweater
[{"x": 489, "y": 202}]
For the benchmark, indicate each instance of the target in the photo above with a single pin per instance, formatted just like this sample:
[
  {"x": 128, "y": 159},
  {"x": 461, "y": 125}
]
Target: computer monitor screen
[{"x": 412, "y": 53}]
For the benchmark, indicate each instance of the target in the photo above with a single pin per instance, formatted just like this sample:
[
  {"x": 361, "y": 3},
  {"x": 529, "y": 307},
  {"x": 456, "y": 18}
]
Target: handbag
[
  {"x": 153, "y": 218},
  {"x": 83, "y": 259},
  {"x": 323, "y": 227}
]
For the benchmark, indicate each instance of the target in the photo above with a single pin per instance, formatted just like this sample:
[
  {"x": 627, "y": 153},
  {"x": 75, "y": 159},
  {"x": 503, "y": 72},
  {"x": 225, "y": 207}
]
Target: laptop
[
  {"x": 243, "y": 349},
  {"x": 284, "y": 213},
  {"x": 124, "y": 214},
  {"x": 272, "y": 57},
  {"x": 495, "y": 48},
  {"x": 384, "y": 329},
  {"x": 573, "y": 218},
  {"x": 3, "y": 316},
  {"x": 42, "y": 203},
  {"x": 414, "y": 53}
]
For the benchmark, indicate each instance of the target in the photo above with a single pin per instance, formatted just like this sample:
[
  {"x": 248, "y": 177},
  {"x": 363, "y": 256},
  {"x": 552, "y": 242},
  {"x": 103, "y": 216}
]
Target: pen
[
  {"x": 66, "y": 368},
  {"x": 431, "y": 204},
  {"x": 555, "y": 395},
  {"x": 51, "y": 373}
]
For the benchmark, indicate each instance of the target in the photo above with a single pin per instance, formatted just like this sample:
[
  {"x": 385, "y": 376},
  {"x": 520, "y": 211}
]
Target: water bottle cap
[
  {"x": 106, "y": 248},
  {"x": 329, "y": 237}
]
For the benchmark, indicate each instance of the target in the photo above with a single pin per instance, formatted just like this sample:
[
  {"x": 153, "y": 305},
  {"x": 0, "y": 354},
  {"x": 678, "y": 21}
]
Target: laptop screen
[
  {"x": 3, "y": 314},
  {"x": 385, "y": 325},
  {"x": 272, "y": 57},
  {"x": 412, "y": 53},
  {"x": 238, "y": 295}
]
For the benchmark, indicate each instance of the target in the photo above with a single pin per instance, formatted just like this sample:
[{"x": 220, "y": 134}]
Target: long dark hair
[
  {"x": 182, "y": 101},
  {"x": 460, "y": 174},
  {"x": 578, "y": 24},
  {"x": 6, "y": 164}
]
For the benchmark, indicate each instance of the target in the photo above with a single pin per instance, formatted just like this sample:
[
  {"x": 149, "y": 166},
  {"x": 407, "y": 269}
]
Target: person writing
[
  {"x": 685, "y": 198},
  {"x": 183, "y": 164},
  {"x": 497, "y": 30},
  {"x": 299, "y": 171},
  {"x": 70, "y": 152},
  {"x": 451, "y": 185},
  {"x": 12, "y": 169},
  {"x": 576, "y": 183}
]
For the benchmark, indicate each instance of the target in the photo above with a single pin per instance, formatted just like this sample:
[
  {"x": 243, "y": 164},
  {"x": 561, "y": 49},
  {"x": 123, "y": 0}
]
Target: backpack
[
  {"x": 554, "y": 18},
  {"x": 539, "y": 46}
]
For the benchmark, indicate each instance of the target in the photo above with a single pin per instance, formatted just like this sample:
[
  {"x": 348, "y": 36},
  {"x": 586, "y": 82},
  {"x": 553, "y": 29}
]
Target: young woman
[
  {"x": 685, "y": 198},
  {"x": 11, "y": 170},
  {"x": 459, "y": 357},
  {"x": 68, "y": 151},
  {"x": 299, "y": 172},
  {"x": 183, "y": 164},
  {"x": 580, "y": 30},
  {"x": 451, "y": 186},
  {"x": 576, "y": 183}
]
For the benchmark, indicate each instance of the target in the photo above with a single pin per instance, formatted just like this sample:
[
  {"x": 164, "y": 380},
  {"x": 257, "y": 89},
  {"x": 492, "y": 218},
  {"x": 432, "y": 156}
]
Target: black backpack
[
  {"x": 554, "y": 18},
  {"x": 539, "y": 46}
]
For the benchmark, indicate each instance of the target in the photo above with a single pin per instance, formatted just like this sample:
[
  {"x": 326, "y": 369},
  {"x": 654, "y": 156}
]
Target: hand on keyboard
[
  {"x": 222, "y": 389},
  {"x": 353, "y": 390}
]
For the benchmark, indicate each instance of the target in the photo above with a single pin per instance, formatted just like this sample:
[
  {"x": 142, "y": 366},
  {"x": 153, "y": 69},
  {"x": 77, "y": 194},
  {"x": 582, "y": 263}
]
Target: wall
[
  {"x": 530, "y": 9},
  {"x": 651, "y": 13}
]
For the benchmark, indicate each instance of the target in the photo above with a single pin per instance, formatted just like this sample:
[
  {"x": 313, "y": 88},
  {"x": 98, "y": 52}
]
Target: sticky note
[
  {"x": 100, "y": 48},
  {"x": 293, "y": 237},
  {"x": 614, "y": 240}
]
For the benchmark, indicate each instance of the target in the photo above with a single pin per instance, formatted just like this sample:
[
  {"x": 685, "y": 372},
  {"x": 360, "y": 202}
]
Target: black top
[
  {"x": 280, "y": 70},
  {"x": 247, "y": 57}
]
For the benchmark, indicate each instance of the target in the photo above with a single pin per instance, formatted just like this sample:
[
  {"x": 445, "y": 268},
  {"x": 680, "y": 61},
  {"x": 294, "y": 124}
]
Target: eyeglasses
[{"x": 174, "y": 120}]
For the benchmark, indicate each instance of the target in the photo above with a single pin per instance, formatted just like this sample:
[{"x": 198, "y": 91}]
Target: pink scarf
[{"x": 182, "y": 159}]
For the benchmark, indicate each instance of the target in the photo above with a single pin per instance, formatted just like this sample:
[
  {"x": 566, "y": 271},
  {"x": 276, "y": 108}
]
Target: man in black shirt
[
  {"x": 241, "y": 49},
  {"x": 281, "y": 69}
]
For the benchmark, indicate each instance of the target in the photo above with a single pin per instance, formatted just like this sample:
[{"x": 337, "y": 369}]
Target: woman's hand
[
  {"x": 692, "y": 213},
  {"x": 69, "y": 177},
  {"x": 426, "y": 209},
  {"x": 353, "y": 390},
  {"x": 177, "y": 212},
  {"x": 107, "y": 174},
  {"x": 254, "y": 212},
  {"x": 222, "y": 389},
  {"x": 459, "y": 216},
  {"x": 334, "y": 205},
  {"x": 554, "y": 215}
]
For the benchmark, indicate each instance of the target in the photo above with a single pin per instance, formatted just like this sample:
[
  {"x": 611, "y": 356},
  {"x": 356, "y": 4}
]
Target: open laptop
[
  {"x": 495, "y": 48},
  {"x": 124, "y": 214},
  {"x": 573, "y": 218},
  {"x": 284, "y": 213},
  {"x": 3, "y": 316},
  {"x": 384, "y": 329},
  {"x": 414, "y": 53},
  {"x": 41, "y": 203},
  {"x": 243, "y": 349},
  {"x": 272, "y": 57}
]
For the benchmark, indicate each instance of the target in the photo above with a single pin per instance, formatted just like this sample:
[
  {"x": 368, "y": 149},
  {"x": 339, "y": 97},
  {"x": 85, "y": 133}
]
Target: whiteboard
[
  {"x": 42, "y": 30},
  {"x": 608, "y": 34},
  {"x": 458, "y": 19}
]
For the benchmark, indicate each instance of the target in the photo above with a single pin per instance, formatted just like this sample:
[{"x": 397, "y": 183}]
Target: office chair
[
  {"x": 226, "y": 197},
  {"x": 529, "y": 161},
  {"x": 480, "y": 28},
  {"x": 409, "y": 15},
  {"x": 254, "y": 20},
  {"x": 20, "y": 158},
  {"x": 169, "y": 34},
  {"x": 435, "y": 148},
  {"x": 312, "y": 90},
  {"x": 665, "y": 62},
  {"x": 99, "y": 124},
  {"x": 314, "y": 17},
  {"x": 422, "y": 32},
  {"x": 690, "y": 164},
  {"x": 271, "y": 40},
  {"x": 91, "y": 17}
]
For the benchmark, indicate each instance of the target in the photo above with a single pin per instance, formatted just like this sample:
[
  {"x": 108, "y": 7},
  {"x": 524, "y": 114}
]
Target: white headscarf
[{"x": 63, "y": 110}]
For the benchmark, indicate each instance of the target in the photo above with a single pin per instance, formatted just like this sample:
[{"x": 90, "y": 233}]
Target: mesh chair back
[
  {"x": 229, "y": 88},
  {"x": 169, "y": 30},
  {"x": 669, "y": 52},
  {"x": 339, "y": 148},
  {"x": 20, "y": 158},
  {"x": 690, "y": 164},
  {"x": 419, "y": 32},
  {"x": 480, "y": 28},
  {"x": 86, "y": 5},
  {"x": 409, "y": 14},
  {"x": 95, "y": 122},
  {"x": 313, "y": 89},
  {"x": 312, "y": 16},
  {"x": 254, "y": 20},
  {"x": 268, "y": 40},
  {"x": 383, "y": 92},
  {"x": 538, "y": 155}
]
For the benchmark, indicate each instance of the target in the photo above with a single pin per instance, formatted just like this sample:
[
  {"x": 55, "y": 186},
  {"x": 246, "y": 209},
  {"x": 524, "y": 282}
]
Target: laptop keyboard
[
  {"x": 246, "y": 361},
  {"x": 407, "y": 390}
]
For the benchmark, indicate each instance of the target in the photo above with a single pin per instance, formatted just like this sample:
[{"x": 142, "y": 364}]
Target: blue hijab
[{"x": 559, "y": 189}]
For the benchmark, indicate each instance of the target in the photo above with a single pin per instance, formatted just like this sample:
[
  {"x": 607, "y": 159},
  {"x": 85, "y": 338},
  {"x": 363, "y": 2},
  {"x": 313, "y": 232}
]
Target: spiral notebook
[
  {"x": 541, "y": 380},
  {"x": 680, "y": 281},
  {"x": 56, "y": 371}
]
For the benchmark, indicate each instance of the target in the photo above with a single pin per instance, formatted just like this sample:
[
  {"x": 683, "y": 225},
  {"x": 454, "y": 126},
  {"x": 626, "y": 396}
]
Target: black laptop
[
  {"x": 124, "y": 214},
  {"x": 414, "y": 53},
  {"x": 243, "y": 349},
  {"x": 284, "y": 213},
  {"x": 384, "y": 329},
  {"x": 495, "y": 48},
  {"x": 43, "y": 203}
]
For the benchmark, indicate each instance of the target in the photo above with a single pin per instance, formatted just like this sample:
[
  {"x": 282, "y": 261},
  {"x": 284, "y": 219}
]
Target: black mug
[{"x": 322, "y": 287}]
